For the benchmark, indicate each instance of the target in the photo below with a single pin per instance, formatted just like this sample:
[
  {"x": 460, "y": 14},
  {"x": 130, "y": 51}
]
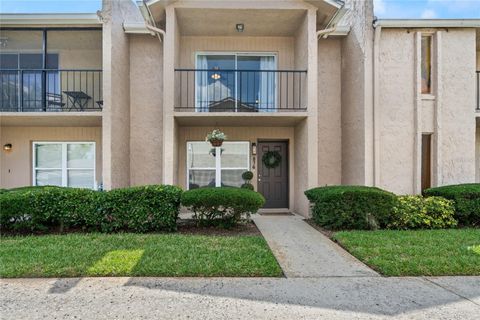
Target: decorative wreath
[{"x": 271, "y": 159}]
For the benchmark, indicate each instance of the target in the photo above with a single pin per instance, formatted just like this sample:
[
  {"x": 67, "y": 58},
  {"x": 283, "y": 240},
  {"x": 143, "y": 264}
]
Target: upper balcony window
[
  {"x": 239, "y": 82},
  {"x": 51, "y": 70},
  {"x": 235, "y": 82},
  {"x": 426, "y": 64}
]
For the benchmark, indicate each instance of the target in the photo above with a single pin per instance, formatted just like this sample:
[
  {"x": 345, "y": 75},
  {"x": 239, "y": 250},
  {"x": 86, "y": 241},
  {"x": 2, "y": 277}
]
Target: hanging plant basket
[
  {"x": 216, "y": 138},
  {"x": 271, "y": 159},
  {"x": 216, "y": 142}
]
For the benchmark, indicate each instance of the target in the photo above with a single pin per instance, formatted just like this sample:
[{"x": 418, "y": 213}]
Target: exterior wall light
[
  {"x": 240, "y": 27},
  {"x": 7, "y": 146},
  {"x": 254, "y": 148}
]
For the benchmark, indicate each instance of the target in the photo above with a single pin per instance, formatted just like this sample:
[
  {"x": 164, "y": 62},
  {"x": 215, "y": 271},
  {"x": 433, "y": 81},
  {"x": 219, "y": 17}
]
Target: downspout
[
  {"x": 376, "y": 98},
  {"x": 150, "y": 21}
]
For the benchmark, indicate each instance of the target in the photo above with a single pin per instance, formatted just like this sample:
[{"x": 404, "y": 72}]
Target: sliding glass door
[{"x": 235, "y": 82}]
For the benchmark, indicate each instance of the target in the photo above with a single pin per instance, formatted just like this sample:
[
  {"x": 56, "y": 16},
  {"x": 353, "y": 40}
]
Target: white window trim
[
  {"x": 236, "y": 54},
  {"x": 218, "y": 160},
  {"x": 64, "y": 167}
]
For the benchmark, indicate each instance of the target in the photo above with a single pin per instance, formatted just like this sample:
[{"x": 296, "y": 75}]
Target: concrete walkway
[
  {"x": 241, "y": 298},
  {"x": 303, "y": 251}
]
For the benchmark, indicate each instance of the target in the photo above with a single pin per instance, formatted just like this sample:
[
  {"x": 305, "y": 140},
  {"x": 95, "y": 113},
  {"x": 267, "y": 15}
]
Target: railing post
[
  {"x": 20, "y": 105},
  {"x": 44, "y": 90}
]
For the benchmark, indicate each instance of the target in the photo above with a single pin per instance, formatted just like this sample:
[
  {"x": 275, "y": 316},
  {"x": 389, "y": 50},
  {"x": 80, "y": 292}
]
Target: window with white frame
[
  {"x": 67, "y": 164},
  {"x": 203, "y": 169}
]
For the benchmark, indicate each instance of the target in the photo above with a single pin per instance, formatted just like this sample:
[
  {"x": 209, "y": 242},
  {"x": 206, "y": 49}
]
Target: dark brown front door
[{"x": 273, "y": 182}]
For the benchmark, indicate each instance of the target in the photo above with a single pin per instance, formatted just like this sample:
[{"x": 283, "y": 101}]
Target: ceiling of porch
[{"x": 222, "y": 22}]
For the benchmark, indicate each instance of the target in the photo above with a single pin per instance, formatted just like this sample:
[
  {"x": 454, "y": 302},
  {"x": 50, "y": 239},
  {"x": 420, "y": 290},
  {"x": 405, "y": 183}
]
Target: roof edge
[
  {"x": 49, "y": 18},
  {"x": 427, "y": 23}
]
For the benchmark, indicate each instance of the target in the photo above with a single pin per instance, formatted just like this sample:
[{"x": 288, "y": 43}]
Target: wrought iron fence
[
  {"x": 217, "y": 90},
  {"x": 50, "y": 90}
]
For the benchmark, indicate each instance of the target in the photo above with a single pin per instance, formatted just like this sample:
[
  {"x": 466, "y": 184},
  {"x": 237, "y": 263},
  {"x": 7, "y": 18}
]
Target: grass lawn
[
  {"x": 128, "y": 254},
  {"x": 416, "y": 253}
]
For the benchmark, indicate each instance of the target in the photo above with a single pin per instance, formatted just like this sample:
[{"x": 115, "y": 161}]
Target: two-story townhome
[{"x": 126, "y": 97}]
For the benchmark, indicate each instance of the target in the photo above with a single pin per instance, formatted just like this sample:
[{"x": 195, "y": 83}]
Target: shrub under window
[{"x": 223, "y": 206}]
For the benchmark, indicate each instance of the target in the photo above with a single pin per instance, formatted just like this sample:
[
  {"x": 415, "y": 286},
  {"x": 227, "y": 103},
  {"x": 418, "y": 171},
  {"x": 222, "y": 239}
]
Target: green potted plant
[
  {"x": 247, "y": 176},
  {"x": 216, "y": 138}
]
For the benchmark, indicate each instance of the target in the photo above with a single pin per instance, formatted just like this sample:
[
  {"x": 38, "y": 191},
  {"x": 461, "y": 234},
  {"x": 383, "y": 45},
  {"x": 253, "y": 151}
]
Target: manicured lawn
[
  {"x": 416, "y": 253},
  {"x": 75, "y": 255}
]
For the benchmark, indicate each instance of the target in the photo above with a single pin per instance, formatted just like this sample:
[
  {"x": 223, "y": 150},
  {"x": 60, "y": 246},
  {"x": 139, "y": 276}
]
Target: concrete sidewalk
[
  {"x": 303, "y": 251},
  {"x": 241, "y": 298}
]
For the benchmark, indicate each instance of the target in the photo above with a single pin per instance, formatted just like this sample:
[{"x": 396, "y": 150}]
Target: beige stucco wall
[
  {"x": 357, "y": 129},
  {"x": 146, "y": 116},
  {"x": 116, "y": 88},
  {"x": 404, "y": 113},
  {"x": 251, "y": 134},
  {"x": 457, "y": 101},
  {"x": 16, "y": 165},
  {"x": 329, "y": 112},
  {"x": 282, "y": 46}
]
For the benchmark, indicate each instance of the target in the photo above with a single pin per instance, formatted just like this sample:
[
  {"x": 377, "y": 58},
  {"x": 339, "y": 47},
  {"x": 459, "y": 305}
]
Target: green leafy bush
[
  {"x": 417, "y": 212},
  {"x": 38, "y": 208},
  {"x": 222, "y": 206},
  {"x": 140, "y": 209},
  {"x": 466, "y": 199},
  {"x": 351, "y": 207},
  {"x": 136, "y": 209}
]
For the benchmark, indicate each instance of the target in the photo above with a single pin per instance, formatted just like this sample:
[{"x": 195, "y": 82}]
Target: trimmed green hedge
[
  {"x": 351, "y": 207},
  {"x": 466, "y": 199},
  {"x": 138, "y": 209},
  {"x": 223, "y": 206},
  {"x": 141, "y": 209},
  {"x": 417, "y": 212}
]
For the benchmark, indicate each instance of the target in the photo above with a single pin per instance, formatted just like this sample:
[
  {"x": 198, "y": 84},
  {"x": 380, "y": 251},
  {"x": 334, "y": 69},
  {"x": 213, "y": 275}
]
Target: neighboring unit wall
[
  {"x": 457, "y": 101},
  {"x": 146, "y": 113},
  {"x": 396, "y": 110},
  {"x": 16, "y": 165},
  {"x": 404, "y": 114},
  {"x": 329, "y": 112}
]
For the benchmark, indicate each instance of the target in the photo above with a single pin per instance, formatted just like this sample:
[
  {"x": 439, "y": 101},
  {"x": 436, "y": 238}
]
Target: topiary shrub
[
  {"x": 351, "y": 207},
  {"x": 416, "y": 212},
  {"x": 247, "y": 176},
  {"x": 222, "y": 206},
  {"x": 248, "y": 186},
  {"x": 140, "y": 209},
  {"x": 466, "y": 199}
]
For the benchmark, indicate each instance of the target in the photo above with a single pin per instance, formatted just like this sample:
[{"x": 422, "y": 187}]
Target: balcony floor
[
  {"x": 243, "y": 119},
  {"x": 51, "y": 119}
]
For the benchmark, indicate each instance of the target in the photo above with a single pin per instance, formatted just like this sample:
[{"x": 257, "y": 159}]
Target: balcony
[
  {"x": 240, "y": 91},
  {"x": 50, "y": 90}
]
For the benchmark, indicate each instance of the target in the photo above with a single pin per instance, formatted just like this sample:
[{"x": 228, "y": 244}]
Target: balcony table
[{"x": 79, "y": 99}]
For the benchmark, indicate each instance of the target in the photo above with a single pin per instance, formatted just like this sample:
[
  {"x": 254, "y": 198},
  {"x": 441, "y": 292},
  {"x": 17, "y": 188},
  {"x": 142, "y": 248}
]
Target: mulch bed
[{"x": 246, "y": 228}]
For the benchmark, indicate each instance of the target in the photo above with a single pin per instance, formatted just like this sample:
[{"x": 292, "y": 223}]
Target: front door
[{"x": 273, "y": 173}]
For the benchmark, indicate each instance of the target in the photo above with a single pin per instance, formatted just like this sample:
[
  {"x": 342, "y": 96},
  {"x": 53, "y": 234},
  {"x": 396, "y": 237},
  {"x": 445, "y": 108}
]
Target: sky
[{"x": 387, "y": 9}]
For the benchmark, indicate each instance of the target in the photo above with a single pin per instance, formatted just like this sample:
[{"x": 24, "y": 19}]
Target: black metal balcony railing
[
  {"x": 205, "y": 90},
  {"x": 478, "y": 91},
  {"x": 50, "y": 90}
]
